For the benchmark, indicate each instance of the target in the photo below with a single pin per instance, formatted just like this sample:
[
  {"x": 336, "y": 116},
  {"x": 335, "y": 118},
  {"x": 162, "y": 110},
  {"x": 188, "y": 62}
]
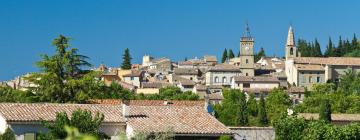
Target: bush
[{"x": 8, "y": 135}]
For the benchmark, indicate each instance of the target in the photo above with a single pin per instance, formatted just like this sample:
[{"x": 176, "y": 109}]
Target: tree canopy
[{"x": 83, "y": 120}]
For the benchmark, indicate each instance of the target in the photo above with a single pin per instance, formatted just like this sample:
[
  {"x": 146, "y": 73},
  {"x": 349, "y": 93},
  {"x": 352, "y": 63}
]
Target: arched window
[
  {"x": 246, "y": 74},
  {"x": 291, "y": 51},
  {"x": 191, "y": 78},
  {"x": 231, "y": 79},
  {"x": 216, "y": 79},
  {"x": 247, "y": 61},
  {"x": 224, "y": 80}
]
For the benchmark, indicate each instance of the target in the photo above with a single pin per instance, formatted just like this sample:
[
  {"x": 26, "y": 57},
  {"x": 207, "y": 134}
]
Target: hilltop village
[
  {"x": 207, "y": 77},
  {"x": 204, "y": 77}
]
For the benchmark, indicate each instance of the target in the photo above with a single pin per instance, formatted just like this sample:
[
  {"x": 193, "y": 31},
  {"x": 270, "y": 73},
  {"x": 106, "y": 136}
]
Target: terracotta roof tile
[
  {"x": 47, "y": 111},
  {"x": 296, "y": 90},
  {"x": 215, "y": 96},
  {"x": 150, "y": 102},
  {"x": 178, "y": 119},
  {"x": 224, "y": 68},
  {"x": 328, "y": 60},
  {"x": 256, "y": 79},
  {"x": 309, "y": 67},
  {"x": 185, "y": 71}
]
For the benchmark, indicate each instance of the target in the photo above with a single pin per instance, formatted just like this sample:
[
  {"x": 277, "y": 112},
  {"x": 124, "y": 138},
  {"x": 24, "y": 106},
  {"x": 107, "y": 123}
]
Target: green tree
[
  {"x": 252, "y": 105},
  {"x": 224, "y": 56},
  {"x": 126, "y": 64},
  {"x": 277, "y": 103},
  {"x": 7, "y": 135},
  {"x": 231, "y": 54},
  {"x": 263, "y": 120},
  {"x": 329, "y": 52},
  {"x": 83, "y": 120},
  {"x": 325, "y": 111},
  {"x": 233, "y": 110},
  {"x": 58, "y": 72},
  {"x": 74, "y": 134},
  {"x": 289, "y": 128},
  {"x": 243, "y": 111},
  {"x": 260, "y": 54},
  {"x": 317, "y": 50}
]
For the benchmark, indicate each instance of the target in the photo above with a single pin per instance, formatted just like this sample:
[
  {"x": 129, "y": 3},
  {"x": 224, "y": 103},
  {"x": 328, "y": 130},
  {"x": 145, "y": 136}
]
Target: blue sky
[{"x": 170, "y": 28}]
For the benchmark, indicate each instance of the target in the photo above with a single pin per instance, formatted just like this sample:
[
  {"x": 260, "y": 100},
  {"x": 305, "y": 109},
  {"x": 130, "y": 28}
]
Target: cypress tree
[
  {"x": 325, "y": 111},
  {"x": 224, "y": 56},
  {"x": 252, "y": 105},
  {"x": 242, "y": 112},
  {"x": 263, "y": 120},
  {"x": 340, "y": 48},
  {"x": 231, "y": 54},
  {"x": 260, "y": 54},
  {"x": 317, "y": 49},
  {"x": 126, "y": 64},
  {"x": 329, "y": 52},
  {"x": 354, "y": 42}
]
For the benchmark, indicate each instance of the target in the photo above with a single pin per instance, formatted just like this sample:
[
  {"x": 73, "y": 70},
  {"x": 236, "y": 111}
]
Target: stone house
[
  {"x": 188, "y": 73},
  {"x": 256, "y": 82},
  {"x": 221, "y": 74},
  {"x": 134, "y": 78}
]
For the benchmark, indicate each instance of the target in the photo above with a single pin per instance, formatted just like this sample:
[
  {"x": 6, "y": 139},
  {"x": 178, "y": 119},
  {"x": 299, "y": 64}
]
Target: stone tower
[
  {"x": 247, "y": 53},
  {"x": 290, "y": 49}
]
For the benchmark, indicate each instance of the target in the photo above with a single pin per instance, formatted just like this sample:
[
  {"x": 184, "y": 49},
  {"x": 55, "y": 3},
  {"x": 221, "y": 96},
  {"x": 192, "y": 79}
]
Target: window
[
  {"x": 224, "y": 80},
  {"x": 29, "y": 136},
  {"x": 191, "y": 78},
  {"x": 291, "y": 51},
  {"x": 231, "y": 79},
  {"x": 318, "y": 79},
  {"x": 310, "y": 79},
  {"x": 247, "y": 61},
  {"x": 131, "y": 78},
  {"x": 246, "y": 85},
  {"x": 246, "y": 74},
  {"x": 216, "y": 79}
]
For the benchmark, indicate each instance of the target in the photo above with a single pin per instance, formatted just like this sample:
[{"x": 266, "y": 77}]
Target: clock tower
[{"x": 247, "y": 53}]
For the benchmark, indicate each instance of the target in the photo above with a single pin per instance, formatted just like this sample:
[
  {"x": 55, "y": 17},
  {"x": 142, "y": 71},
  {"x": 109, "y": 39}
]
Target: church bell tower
[
  {"x": 247, "y": 53},
  {"x": 290, "y": 48}
]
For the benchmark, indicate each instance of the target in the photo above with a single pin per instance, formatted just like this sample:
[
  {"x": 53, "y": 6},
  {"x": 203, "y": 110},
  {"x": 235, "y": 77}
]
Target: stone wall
[{"x": 253, "y": 133}]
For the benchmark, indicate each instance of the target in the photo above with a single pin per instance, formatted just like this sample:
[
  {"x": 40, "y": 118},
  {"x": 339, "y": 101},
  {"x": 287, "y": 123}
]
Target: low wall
[{"x": 253, "y": 133}]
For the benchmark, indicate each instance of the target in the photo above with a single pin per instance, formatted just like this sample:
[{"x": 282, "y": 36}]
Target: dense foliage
[
  {"x": 344, "y": 97},
  {"x": 344, "y": 48},
  {"x": 236, "y": 111},
  {"x": 83, "y": 120},
  {"x": 277, "y": 102},
  {"x": 294, "y": 128},
  {"x": 7, "y": 135},
  {"x": 170, "y": 93}
]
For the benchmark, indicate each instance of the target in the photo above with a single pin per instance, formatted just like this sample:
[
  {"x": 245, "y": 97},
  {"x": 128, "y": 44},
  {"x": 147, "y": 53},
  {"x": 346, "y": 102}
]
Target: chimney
[{"x": 125, "y": 108}]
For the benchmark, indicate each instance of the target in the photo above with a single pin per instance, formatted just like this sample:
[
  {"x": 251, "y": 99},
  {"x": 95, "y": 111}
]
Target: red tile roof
[
  {"x": 150, "y": 102},
  {"x": 177, "y": 119},
  {"x": 27, "y": 112},
  {"x": 328, "y": 60}
]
